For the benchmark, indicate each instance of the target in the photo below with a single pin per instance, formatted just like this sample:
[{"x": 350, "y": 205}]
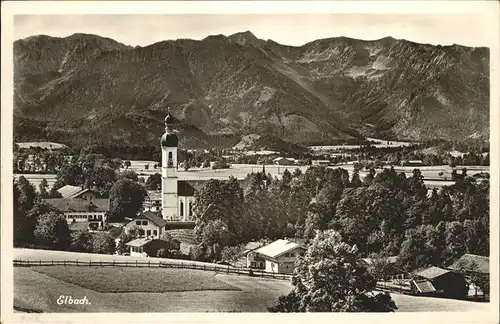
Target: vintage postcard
[{"x": 201, "y": 161}]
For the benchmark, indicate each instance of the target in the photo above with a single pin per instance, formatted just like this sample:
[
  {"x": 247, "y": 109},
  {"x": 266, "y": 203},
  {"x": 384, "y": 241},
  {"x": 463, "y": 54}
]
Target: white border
[{"x": 490, "y": 11}]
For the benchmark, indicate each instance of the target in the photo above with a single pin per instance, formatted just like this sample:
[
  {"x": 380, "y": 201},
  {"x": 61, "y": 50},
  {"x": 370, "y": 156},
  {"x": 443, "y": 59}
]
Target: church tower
[{"x": 169, "y": 143}]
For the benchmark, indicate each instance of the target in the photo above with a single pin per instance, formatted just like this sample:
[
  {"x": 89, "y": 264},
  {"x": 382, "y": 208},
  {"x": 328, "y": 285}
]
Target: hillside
[{"x": 88, "y": 89}]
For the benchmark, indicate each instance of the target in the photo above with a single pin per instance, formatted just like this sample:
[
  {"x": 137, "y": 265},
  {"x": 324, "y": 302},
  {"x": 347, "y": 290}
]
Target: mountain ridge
[{"x": 323, "y": 91}]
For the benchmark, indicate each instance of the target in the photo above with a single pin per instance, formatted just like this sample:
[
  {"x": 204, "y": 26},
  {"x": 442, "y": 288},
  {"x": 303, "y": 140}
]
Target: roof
[
  {"x": 277, "y": 248},
  {"x": 250, "y": 246},
  {"x": 154, "y": 195},
  {"x": 472, "y": 263},
  {"x": 76, "y": 194},
  {"x": 390, "y": 260},
  {"x": 169, "y": 140},
  {"x": 68, "y": 190},
  {"x": 138, "y": 242},
  {"x": 184, "y": 189},
  {"x": 424, "y": 286},
  {"x": 78, "y": 226},
  {"x": 152, "y": 217},
  {"x": 79, "y": 205},
  {"x": 432, "y": 272}
]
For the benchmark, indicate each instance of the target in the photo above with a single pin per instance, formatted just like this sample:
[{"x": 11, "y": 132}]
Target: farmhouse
[
  {"x": 412, "y": 163},
  {"x": 143, "y": 247},
  {"x": 434, "y": 280},
  {"x": 150, "y": 223},
  {"x": 278, "y": 257},
  {"x": 320, "y": 162},
  {"x": 83, "y": 207},
  {"x": 284, "y": 161},
  {"x": 152, "y": 201}
]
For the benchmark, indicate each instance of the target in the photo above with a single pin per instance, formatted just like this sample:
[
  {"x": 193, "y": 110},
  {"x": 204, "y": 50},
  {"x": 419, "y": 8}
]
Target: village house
[
  {"x": 278, "y": 257},
  {"x": 320, "y": 162},
  {"x": 144, "y": 247},
  {"x": 150, "y": 223},
  {"x": 284, "y": 161},
  {"x": 152, "y": 201},
  {"x": 81, "y": 207},
  {"x": 438, "y": 281}
]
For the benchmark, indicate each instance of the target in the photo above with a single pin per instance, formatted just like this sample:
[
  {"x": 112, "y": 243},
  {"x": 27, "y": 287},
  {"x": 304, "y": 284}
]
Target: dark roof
[
  {"x": 79, "y": 205},
  {"x": 152, "y": 217},
  {"x": 472, "y": 263},
  {"x": 184, "y": 189},
  {"x": 432, "y": 272},
  {"x": 169, "y": 140},
  {"x": 79, "y": 193},
  {"x": 424, "y": 286}
]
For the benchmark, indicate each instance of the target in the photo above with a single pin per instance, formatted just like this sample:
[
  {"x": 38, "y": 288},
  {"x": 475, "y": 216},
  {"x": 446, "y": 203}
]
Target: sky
[{"x": 288, "y": 29}]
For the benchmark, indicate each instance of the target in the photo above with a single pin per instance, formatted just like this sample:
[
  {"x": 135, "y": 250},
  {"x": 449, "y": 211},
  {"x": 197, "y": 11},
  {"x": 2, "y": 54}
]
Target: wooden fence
[{"x": 149, "y": 264}]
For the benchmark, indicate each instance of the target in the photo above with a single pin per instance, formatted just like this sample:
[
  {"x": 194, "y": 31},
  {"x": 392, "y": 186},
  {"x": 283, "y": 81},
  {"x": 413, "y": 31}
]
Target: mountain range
[{"x": 86, "y": 89}]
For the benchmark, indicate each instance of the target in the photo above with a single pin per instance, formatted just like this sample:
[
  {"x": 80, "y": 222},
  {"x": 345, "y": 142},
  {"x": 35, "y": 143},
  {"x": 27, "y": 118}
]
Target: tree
[
  {"x": 187, "y": 165},
  {"x": 231, "y": 254},
  {"x": 355, "y": 181},
  {"x": 329, "y": 279},
  {"x": 127, "y": 164},
  {"x": 71, "y": 174},
  {"x": 24, "y": 200},
  {"x": 103, "y": 243},
  {"x": 154, "y": 182},
  {"x": 126, "y": 199},
  {"x": 129, "y": 174},
  {"x": 81, "y": 241},
  {"x": 52, "y": 231},
  {"x": 214, "y": 232},
  {"x": 43, "y": 188},
  {"x": 124, "y": 238},
  {"x": 206, "y": 164}
]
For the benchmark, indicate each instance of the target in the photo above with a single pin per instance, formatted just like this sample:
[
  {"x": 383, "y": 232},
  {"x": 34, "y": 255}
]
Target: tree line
[{"x": 386, "y": 214}]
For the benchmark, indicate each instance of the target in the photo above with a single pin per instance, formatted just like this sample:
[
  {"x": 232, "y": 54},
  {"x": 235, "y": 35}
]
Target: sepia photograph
[{"x": 269, "y": 162}]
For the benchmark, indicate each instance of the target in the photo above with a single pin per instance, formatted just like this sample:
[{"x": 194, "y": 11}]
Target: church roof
[
  {"x": 184, "y": 189},
  {"x": 169, "y": 140}
]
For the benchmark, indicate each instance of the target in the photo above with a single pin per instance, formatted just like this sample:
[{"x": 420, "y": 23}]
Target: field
[
  {"x": 136, "y": 279},
  {"x": 38, "y": 288},
  {"x": 38, "y": 292},
  {"x": 431, "y": 173}
]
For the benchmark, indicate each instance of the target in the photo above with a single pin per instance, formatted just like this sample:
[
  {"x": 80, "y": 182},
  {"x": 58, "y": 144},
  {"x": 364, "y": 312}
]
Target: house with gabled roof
[
  {"x": 278, "y": 257},
  {"x": 91, "y": 211},
  {"x": 150, "y": 223},
  {"x": 435, "y": 280}
]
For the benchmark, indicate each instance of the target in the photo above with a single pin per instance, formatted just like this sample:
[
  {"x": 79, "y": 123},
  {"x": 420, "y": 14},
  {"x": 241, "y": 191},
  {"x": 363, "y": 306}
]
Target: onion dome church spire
[{"x": 169, "y": 139}]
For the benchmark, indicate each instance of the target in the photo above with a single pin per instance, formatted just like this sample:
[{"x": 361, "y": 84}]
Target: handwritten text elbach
[{"x": 68, "y": 300}]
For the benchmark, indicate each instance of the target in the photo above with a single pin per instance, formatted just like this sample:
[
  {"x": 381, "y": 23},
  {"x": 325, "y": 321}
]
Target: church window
[
  {"x": 190, "y": 208},
  {"x": 170, "y": 162},
  {"x": 182, "y": 208}
]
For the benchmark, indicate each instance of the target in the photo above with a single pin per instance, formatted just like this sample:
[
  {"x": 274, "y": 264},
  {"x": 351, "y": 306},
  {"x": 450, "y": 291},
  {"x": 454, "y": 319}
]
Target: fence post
[
  {"x": 113, "y": 262},
  {"x": 52, "y": 262},
  {"x": 136, "y": 263},
  {"x": 90, "y": 263},
  {"x": 40, "y": 262},
  {"x": 101, "y": 263},
  {"x": 228, "y": 268},
  {"x": 203, "y": 266},
  {"x": 149, "y": 264},
  {"x": 77, "y": 263}
]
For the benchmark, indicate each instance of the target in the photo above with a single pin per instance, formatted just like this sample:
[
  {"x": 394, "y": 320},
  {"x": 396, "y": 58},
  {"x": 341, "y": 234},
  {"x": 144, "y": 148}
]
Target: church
[{"x": 177, "y": 196}]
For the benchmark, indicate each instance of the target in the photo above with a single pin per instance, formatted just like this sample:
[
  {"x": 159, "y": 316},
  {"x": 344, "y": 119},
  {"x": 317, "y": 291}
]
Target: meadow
[{"x": 116, "y": 279}]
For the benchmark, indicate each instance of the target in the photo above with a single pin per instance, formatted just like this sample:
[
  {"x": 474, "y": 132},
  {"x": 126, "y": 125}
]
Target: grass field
[
  {"x": 115, "y": 279},
  {"x": 35, "y": 291}
]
